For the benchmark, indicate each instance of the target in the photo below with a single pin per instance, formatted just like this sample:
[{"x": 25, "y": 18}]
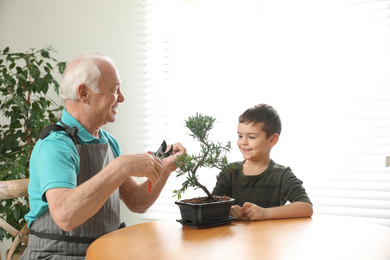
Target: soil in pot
[{"x": 201, "y": 200}]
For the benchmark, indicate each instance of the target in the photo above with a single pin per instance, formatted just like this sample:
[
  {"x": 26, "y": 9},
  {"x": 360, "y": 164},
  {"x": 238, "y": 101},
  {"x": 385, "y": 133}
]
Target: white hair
[{"x": 82, "y": 69}]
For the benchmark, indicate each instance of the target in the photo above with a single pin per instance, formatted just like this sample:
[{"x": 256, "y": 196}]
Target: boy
[{"x": 260, "y": 186}]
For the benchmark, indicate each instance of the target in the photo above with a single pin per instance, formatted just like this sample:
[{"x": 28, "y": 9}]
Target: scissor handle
[
  {"x": 149, "y": 183},
  {"x": 169, "y": 152},
  {"x": 149, "y": 187}
]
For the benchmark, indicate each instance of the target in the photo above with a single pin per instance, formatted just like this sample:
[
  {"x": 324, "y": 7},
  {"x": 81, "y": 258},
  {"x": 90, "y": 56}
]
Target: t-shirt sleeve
[
  {"x": 57, "y": 164},
  {"x": 223, "y": 185},
  {"x": 292, "y": 188}
]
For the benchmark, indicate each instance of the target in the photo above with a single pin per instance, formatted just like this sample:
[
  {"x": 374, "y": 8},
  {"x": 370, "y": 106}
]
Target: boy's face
[{"x": 253, "y": 143}]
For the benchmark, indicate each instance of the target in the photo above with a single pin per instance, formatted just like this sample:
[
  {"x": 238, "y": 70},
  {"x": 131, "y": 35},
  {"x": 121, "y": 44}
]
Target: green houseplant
[
  {"x": 209, "y": 210},
  {"x": 26, "y": 108}
]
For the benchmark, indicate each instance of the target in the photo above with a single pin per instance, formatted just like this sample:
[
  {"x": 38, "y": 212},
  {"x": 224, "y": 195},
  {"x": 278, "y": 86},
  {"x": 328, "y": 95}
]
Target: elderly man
[{"x": 77, "y": 170}]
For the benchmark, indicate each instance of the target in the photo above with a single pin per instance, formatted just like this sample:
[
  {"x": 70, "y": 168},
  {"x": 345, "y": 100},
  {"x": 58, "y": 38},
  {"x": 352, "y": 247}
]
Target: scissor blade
[{"x": 160, "y": 152}]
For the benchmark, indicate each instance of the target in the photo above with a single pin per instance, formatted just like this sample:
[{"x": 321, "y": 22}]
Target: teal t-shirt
[{"x": 55, "y": 162}]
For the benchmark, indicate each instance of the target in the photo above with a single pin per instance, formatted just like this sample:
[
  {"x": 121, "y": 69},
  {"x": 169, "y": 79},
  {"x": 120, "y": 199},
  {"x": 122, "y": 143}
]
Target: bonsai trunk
[
  {"x": 204, "y": 189},
  {"x": 196, "y": 168}
]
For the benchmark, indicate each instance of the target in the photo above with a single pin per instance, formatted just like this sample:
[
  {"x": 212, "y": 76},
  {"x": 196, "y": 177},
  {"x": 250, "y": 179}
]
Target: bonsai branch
[{"x": 211, "y": 155}]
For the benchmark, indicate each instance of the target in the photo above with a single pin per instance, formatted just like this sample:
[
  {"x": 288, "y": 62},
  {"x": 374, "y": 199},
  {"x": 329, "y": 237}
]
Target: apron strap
[
  {"x": 74, "y": 239},
  {"x": 71, "y": 131},
  {"x": 62, "y": 237}
]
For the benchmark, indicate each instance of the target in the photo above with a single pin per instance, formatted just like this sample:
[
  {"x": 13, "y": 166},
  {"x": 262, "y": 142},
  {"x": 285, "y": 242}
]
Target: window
[{"x": 324, "y": 65}]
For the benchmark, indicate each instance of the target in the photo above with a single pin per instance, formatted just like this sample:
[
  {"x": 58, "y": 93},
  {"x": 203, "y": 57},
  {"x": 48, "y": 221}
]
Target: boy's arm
[
  {"x": 223, "y": 185},
  {"x": 294, "y": 210}
]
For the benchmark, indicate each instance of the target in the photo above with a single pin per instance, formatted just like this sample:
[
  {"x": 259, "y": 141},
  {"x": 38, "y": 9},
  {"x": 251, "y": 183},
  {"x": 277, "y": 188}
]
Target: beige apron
[{"x": 47, "y": 240}]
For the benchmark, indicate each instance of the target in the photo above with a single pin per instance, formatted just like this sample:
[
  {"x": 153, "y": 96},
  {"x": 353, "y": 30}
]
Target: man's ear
[
  {"x": 83, "y": 93},
  {"x": 274, "y": 140}
]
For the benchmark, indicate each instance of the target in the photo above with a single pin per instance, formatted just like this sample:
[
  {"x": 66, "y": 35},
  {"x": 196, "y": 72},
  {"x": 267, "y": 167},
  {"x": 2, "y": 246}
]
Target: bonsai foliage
[
  {"x": 25, "y": 79},
  {"x": 211, "y": 155}
]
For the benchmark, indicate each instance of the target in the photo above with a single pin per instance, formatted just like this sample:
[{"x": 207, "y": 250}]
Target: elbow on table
[
  {"x": 302, "y": 209},
  {"x": 309, "y": 210}
]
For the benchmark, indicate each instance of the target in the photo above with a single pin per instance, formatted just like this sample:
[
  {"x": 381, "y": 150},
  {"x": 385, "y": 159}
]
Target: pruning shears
[{"x": 160, "y": 155}]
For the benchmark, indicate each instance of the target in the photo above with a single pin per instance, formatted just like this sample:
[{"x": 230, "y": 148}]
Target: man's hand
[
  {"x": 142, "y": 165},
  {"x": 170, "y": 162},
  {"x": 178, "y": 149},
  {"x": 133, "y": 193}
]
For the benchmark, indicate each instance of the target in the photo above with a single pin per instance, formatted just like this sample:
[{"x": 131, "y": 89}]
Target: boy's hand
[
  {"x": 252, "y": 211},
  {"x": 235, "y": 211}
]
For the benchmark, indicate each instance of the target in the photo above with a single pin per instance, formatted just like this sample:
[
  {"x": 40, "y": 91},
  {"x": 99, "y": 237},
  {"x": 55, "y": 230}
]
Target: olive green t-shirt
[{"x": 273, "y": 187}]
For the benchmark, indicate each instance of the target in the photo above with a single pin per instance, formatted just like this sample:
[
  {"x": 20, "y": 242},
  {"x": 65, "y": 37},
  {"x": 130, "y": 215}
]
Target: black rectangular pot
[{"x": 205, "y": 214}]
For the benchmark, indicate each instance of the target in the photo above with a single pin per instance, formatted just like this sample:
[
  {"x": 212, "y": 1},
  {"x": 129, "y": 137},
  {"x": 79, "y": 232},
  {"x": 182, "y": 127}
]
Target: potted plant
[
  {"x": 26, "y": 108},
  {"x": 210, "y": 210}
]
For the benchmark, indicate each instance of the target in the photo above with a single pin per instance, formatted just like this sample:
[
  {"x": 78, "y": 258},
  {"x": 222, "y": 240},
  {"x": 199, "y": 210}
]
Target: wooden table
[{"x": 305, "y": 238}]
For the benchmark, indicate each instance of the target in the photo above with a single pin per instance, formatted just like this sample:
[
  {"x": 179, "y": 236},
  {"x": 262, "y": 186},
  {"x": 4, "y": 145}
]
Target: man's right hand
[{"x": 142, "y": 165}]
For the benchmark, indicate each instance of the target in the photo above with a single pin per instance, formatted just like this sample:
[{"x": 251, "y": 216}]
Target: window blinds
[{"x": 324, "y": 65}]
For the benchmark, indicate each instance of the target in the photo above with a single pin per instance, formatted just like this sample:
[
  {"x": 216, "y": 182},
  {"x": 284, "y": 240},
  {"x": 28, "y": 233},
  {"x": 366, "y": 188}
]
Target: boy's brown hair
[{"x": 263, "y": 113}]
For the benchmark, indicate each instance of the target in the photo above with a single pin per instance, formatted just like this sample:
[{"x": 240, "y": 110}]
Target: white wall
[{"x": 73, "y": 27}]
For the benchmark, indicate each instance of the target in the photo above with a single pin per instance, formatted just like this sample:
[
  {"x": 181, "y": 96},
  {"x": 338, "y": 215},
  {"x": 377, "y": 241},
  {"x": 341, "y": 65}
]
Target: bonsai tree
[
  {"x": 25, "y": 79},
  {"x": 211, "y": 155}
]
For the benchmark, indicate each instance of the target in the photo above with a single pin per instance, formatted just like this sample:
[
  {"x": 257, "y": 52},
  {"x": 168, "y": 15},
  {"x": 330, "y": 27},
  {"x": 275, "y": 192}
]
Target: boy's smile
[{"x": 253, "y": 142}]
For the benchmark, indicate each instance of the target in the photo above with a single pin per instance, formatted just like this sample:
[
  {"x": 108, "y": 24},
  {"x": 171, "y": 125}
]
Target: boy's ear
[
  {"x": 83, "y": 93},
  {"x": 274, "y": 140}
]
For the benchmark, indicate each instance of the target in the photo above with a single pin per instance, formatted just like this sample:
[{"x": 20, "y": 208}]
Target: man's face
[{"x": 105, "y": 103}]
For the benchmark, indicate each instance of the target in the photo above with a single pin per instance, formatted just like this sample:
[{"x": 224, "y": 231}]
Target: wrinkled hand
[
  {"x": 170, "y": 162},
  {"x": 178, "y": 148},
  {"x": 143, "y": 165}
]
